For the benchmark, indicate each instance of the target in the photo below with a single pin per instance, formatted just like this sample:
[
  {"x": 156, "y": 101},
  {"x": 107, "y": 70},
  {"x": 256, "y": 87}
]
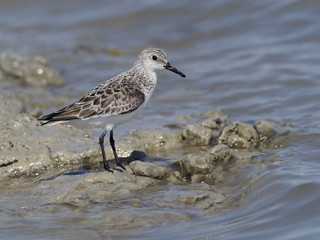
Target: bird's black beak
[{"x": 173, "y": 69}]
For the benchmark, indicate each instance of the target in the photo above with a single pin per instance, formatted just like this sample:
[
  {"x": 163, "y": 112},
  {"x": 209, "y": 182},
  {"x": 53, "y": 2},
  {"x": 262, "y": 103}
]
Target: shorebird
[{"x": 116, "y": 100}]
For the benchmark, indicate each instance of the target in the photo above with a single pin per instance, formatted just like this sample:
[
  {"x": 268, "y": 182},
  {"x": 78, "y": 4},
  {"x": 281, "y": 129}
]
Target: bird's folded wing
[{"x": 104, "y": 102}]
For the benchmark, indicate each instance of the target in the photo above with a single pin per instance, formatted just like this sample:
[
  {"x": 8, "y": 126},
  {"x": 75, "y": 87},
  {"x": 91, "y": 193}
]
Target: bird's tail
[{"x": 54, "y": 118}]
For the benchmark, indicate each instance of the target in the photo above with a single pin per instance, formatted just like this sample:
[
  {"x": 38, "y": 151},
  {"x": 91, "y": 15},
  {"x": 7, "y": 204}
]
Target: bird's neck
[{"x": 147, "y": 78}]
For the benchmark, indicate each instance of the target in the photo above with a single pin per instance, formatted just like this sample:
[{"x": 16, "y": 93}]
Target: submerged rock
[{"x": 202, "y": 200}]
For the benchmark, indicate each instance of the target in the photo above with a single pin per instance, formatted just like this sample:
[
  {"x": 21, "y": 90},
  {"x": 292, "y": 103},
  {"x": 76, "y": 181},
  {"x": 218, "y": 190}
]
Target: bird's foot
[
  {"x": 111, "y": 169},
  {"x": 108, "y": 169},
  {"x": 120, "y": 165}
]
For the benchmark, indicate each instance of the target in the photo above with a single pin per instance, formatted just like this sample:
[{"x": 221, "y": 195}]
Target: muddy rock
[
  {"x": 221, "y": 118},
  {"x": 123, "y": 189},
  {"x": 84, "y": 190},
  {"x": 266, "y": 129},
  {"x": 145, "y": 141},
  {"x": 176, "y": 176},
  {"x": 271, "y": 135},
  {"x": 148, "y": 169},
  {"x": 208, "y": 131},
  {"x": 108, "y": 177},
  {"x": 26, "y": 148},
  {"x": 112, "y": 51},
  {"x": 8, "y": 110},
  {"x": 30, "y": 70},
  {"x": 1, "y": 76},
  {"x": 197, "y": 135},
  {"x": 156, "y": 139},
  {"x": 122, "y": 182},
  {"x": 205, "y": 166},
  {"x": 240, "y": 136}
]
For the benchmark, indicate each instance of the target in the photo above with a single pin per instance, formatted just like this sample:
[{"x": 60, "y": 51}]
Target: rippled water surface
[{"x": 252, "y": 59}]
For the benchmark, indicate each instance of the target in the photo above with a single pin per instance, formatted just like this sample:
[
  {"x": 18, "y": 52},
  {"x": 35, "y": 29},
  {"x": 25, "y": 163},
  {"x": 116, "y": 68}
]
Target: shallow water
[{"x": 251, "y": 59}]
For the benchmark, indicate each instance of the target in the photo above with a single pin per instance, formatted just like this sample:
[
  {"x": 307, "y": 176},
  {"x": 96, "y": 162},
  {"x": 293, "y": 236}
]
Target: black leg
[
  {"x": 114, "y": 151},
  {"x": 101, "y": 142}
]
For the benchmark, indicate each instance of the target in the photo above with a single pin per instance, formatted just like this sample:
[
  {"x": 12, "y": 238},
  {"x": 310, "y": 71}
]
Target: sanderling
[{"x": 116, "y": 100}]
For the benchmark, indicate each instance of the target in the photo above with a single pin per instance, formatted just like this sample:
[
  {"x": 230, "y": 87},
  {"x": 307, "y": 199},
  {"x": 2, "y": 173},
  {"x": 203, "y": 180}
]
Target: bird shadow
[
  {"x": 134, "y": 156},
  {"x": 84, "y": 169}
]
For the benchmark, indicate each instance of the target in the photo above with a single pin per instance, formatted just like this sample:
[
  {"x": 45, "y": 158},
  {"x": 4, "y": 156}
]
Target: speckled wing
[
  {"x": 113, "y": 100},
  {"x": 101, "y": 101}
]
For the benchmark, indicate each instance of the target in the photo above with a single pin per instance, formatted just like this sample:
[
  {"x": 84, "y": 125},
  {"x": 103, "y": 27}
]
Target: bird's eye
[{"x": 154, "y": 57}]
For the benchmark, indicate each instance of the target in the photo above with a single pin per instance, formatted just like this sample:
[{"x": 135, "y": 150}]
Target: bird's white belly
[{"x": 107, "y": 122}]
